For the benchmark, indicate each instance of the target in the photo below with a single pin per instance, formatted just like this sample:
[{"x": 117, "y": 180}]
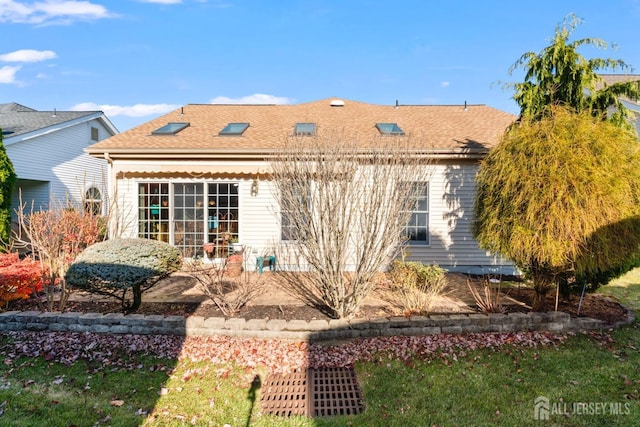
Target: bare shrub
[
  {"x": 55, "y": 237},
  {"x": 414, "y": 286},
  {"x": 344, "y": 205},
  {"x": 229, "y": 292},
  {"x": 488, "y": 301}
]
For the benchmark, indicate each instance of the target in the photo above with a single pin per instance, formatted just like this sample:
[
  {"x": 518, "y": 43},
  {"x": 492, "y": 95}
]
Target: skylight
[
  {"x": 305, "y": 129},
  {"x": 389, "y": 129},
  {"x": 170, "y": 129},
  {"x": 234, "y": 129}
]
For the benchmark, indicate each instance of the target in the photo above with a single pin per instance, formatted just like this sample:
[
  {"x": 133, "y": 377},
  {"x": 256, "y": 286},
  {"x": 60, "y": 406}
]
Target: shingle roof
[
  {"x": 17, "y": 119},
  {"x": 450, "y": 128},
  {"x": 610, "y": 79}
]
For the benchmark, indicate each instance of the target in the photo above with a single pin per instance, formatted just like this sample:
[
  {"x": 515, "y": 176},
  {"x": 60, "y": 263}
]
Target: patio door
[
  {"x": 222, "y": 217},
  {"x": 190, "y": 215}
]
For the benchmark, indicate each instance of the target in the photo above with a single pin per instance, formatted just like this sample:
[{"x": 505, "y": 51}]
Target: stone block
[
  {"x": 69, "y": 317},
  {"x": 318, "y": 325},
  {"x": 255, "y": 324},
  {"x": 8, "y": 316},
  {"x": 459, "y": 319},
  {"x": 276, "y": 325},
  {"x": 339, "y": 324},
  {"x": 478, "y": 319},
  {"x": 297, "y": 325},
  {"x": 132, "y": 319},
  {"x": 154, "y": 320},
  {"x": 194, "y": 322},
  {"x": 120, "y": 329},
  {"x": 214, "y": 323},
  {"x": 451, "y": 329},
  {"x": 498, "y": 319},
  {"x": 90, "y": 318},
  {"x": 235, "y": 323},
  {"x": 383, "y": 323},
  {"x": 399, "y": 322},
  {"x": 176, "y": 323}
]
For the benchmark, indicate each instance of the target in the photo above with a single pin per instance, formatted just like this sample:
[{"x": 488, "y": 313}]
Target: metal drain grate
[
  {"x": 285, "y": 395},
  {"x": 316, "y": 392}
]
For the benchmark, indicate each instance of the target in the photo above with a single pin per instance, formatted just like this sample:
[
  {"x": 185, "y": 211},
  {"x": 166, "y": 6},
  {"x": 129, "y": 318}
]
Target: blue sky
[{"x": 138, "y": 59}]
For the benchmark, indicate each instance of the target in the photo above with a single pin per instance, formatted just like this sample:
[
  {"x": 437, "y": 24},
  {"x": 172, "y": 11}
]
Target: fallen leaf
[{"x": 117, "y": 403}]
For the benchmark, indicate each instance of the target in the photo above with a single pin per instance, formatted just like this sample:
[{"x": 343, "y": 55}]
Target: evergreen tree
[
  {"x": 560, "y": 196},
  {"x": 559, "y": 75},
  {"x": 8, "y": 180}
]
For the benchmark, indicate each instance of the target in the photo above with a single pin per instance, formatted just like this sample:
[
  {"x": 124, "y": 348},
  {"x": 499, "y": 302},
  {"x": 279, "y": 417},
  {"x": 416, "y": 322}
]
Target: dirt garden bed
[{"x": 178, "y": 297}]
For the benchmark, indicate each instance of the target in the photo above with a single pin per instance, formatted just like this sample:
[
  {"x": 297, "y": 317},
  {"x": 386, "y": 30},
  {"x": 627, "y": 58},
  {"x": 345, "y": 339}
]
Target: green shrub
[
  {"x": 415, "y": 286},
  {"x": 120, "y": 266}
]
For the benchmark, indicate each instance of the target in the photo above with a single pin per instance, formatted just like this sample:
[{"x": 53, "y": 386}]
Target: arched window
[{"x": 93, "y": 201}]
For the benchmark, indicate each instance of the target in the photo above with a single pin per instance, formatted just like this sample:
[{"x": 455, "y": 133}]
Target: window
[
  {"x": 170, "y": 129},
  {"x": 95, "y": 134},
  {"x": 153, "y": 211},
  {"x": 234, "y": 129},
  {"x": 222, "y": 217},
  {"x": 293, "y": 213},
  {"x": 389, "y": 129},
  {"x": 305, "y": 129},
  {"x": 194, "y": 216},
  {"x": 188, "y": 218},
  {"x": 417, "y": 229},
  {"x": 93, "y": 201}
]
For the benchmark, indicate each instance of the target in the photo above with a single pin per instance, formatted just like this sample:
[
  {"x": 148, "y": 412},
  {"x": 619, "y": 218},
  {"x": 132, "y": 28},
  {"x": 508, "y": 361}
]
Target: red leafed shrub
[{"x": 19, "y": 278}]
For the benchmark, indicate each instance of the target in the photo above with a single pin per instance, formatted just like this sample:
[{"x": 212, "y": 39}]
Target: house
[
  {"x": 200, "y": 173},
  {"x": 631, "y": 104},
  {"x": 46, "y": 149}
]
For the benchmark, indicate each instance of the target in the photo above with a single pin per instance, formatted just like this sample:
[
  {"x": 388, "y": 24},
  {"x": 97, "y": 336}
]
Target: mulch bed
[{"x": 594, "y": 306}]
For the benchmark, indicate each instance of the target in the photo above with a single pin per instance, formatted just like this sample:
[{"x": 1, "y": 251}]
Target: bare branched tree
[
  {"x": 344, "y": 207},
  {"x": 55, "y": 237}
]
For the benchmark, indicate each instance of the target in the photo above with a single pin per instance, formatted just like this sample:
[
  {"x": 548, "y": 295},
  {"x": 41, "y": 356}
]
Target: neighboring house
[
  {"x": 46, "y": 149},
  {"x": 632, "y": 104},
  {"x": 200, "y": 173}
]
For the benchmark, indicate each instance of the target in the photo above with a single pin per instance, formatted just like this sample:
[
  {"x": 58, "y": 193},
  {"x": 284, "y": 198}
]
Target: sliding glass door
[{"x": 197, "y": 217}]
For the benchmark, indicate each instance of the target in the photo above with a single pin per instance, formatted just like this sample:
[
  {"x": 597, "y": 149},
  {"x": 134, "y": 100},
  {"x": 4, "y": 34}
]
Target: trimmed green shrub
[{"x": 120, "y": 266}]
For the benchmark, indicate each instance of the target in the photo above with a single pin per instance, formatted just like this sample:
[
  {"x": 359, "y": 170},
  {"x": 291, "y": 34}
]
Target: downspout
[{"x": 110, "y": 191}]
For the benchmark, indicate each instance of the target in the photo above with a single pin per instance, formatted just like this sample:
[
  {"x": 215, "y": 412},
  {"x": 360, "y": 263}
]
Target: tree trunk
[
  {"x": 136, "y": 298},
  {"x": 542, "y": 283},
  {"x": 539, "y": 299}
]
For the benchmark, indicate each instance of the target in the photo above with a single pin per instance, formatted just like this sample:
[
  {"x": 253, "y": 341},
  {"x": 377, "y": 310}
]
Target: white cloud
[
  {"x": 256, "y": 98},
  {"x": 28, "y": 55},
  {"x": 137, "y": 110},
  {"x": 8, "y": 74},
  {"x": 162, "y": 1},
  {"x": 444, "y": 84},
  {"x": 51, "y": 11}
]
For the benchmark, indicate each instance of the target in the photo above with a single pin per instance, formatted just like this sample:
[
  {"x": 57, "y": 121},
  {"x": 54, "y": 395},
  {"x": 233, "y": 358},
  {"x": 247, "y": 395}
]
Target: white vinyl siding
[
  {"x": 452, "y": 199},
  {"x": 58, "y": 159},
  {"x": 451, "y": 203}
]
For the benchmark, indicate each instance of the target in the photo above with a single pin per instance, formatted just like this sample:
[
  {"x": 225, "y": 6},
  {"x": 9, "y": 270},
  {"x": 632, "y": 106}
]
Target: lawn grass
[
  {"x": 480, "y": 387},
  {"x": 625, "y": 289}
]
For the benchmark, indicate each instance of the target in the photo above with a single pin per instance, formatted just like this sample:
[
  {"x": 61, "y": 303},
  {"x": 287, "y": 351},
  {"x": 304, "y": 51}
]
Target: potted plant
[{"x": 234, "y": 265}]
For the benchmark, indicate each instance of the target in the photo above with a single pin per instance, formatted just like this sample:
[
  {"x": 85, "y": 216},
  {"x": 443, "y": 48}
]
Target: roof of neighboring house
[
  {"x": 16, "y": 119},
  {"x": 609, "y": 79}
]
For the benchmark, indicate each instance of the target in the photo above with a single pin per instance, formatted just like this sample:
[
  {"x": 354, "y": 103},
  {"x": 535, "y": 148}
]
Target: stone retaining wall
[{"x": 116, "y": 323}]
